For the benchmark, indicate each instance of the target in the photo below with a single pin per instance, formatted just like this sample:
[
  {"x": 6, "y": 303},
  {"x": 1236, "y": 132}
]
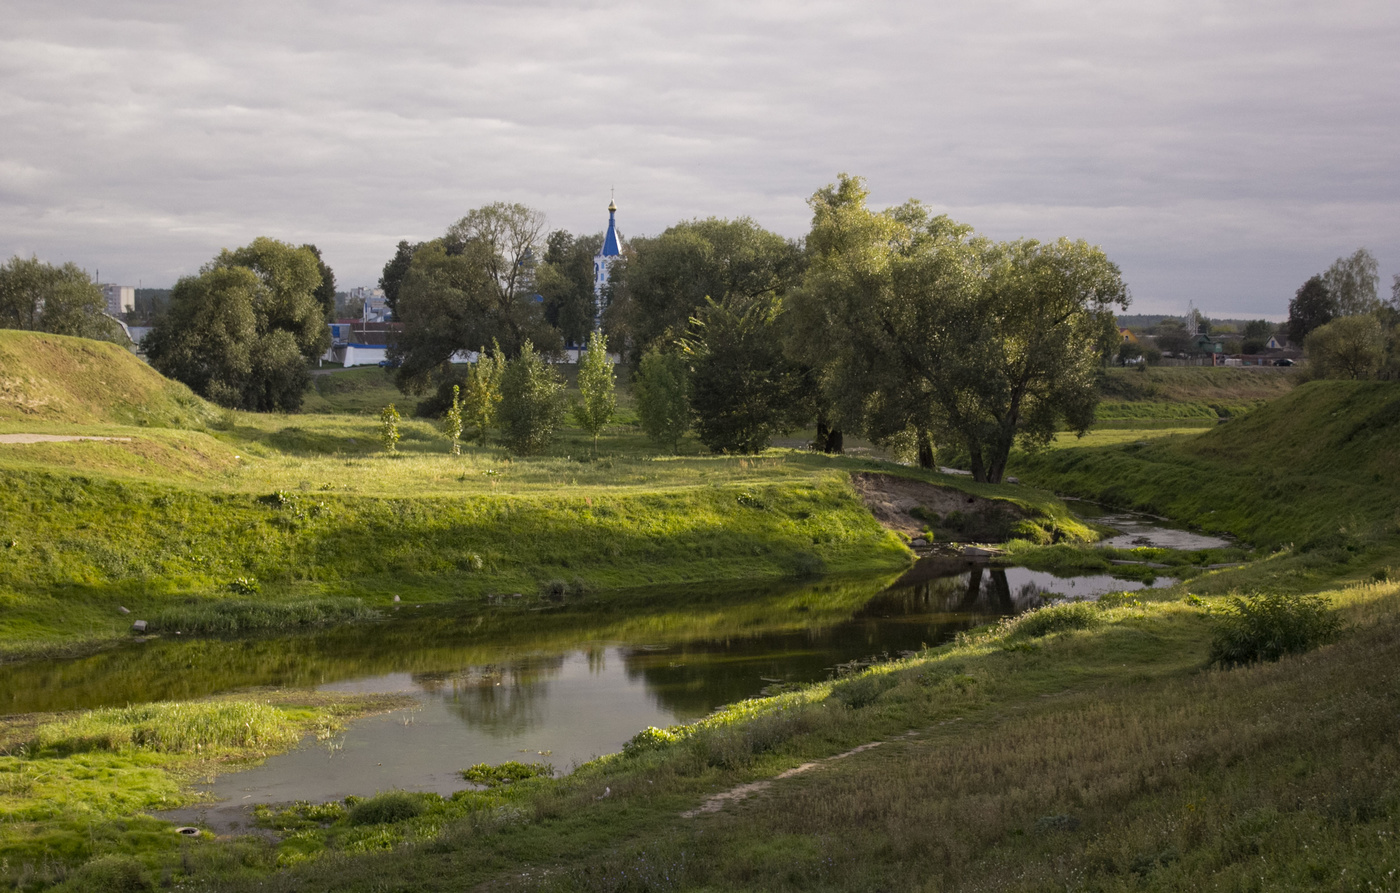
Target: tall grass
[{"x": 171, "y": 727}]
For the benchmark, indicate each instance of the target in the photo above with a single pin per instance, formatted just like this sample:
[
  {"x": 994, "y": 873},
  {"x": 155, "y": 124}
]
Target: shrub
[
  {"x": 532, "y": 403},
  {"x": 662, "y": 393},
  {"x": 863, "y": 690},
  {"x": 651, "y": 738},
  {"x": 1052, "y": 619},
  {"x": 390, "y": 806},
  {"x": 1266, "y": 627},
  {"x": 111, "y": 874}
]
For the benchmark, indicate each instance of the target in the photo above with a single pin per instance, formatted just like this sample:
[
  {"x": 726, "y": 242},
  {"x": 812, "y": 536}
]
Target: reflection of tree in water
[
  {"x": 499, "y": 699},
  {"x": 694, "y": 678}
]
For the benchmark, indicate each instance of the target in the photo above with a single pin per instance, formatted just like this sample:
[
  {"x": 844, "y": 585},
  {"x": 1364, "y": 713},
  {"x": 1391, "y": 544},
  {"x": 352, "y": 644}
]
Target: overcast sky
[{"x": 1219, "y": 152}]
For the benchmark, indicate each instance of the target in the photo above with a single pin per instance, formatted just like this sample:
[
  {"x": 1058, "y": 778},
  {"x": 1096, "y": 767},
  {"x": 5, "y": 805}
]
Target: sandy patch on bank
[{"x": 891, "y": 499}]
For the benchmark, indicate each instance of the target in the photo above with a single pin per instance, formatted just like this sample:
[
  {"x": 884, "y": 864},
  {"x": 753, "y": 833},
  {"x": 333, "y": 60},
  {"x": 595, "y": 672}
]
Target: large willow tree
[{"x": 918, "y": 325}]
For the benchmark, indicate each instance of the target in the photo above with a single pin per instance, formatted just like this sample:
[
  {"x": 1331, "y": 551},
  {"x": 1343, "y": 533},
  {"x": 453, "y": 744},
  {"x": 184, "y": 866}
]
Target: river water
[{"x": 557, "y": 683}]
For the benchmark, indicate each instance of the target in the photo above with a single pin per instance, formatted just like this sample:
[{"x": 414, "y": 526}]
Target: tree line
[
  {"x": 1343, "y": 326},
  {"x": 904, "y": 326}
]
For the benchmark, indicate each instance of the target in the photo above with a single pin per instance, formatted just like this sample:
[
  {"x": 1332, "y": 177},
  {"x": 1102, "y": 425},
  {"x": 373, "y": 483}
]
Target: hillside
[
  {"x": 1186, "y": 396},
  {"x": 54, "y": 378},
  {"x": 1318, "y": 466}
]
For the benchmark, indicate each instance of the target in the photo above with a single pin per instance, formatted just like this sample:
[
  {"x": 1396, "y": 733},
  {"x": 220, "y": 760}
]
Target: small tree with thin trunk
[
  {"x": 481, "y": 397},
  {"x": 597, "y": 389},
  {"x": 389, "y": 428},
  {"x": 452, "y": 422}
]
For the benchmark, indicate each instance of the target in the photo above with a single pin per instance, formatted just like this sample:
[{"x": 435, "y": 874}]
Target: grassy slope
[
  {"x": 1034, "y": 763},
  {"x": 1008, "y": 762},
  {"x": 1318, "y": 468},
  {"x": 309, "y": 506},
  {"x": 1186, "y": 396},
  {"x": 1099, "y": 759},
  {"x": 74, "y": 381}
]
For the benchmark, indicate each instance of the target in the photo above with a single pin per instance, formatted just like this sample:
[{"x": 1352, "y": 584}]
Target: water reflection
[{"x": 563, "y": 683}]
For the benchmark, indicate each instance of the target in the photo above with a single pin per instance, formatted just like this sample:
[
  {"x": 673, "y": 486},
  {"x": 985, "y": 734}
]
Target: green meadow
[{"x": 1089, "y": 746}]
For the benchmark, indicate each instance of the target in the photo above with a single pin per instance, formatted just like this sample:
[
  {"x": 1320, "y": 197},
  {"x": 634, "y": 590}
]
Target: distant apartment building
[{"x": 120, "y": 299}]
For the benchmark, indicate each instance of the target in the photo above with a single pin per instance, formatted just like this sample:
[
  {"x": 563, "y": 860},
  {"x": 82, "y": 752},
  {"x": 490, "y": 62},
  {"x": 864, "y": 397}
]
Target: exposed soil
[{"x": 909, "y": 506}]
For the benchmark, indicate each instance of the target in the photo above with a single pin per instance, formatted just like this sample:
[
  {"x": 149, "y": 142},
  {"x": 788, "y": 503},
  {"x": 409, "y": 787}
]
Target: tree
[
  {"x": 452, "y": 421},
  {"x": 1170, "y": 335},
  {"x": 1311, "y": 307},
  {"x": 661, "y": 282},
  {"x": 743, "y": 387},
  {"x": 953, "y": 336},
  {"x": 389, "y": 428},
  {"x": 565, "y": 281},
  {"x": 62, "y": 300},
  {"x": 1352, "y": 281},
  {"x": 597, "y": 388},
  {"x": 473, "y": 286},
  {"x": 662, "y": 393},
  {"x": 482, "y": 393},
  {"x": 532, "y": 403},
  {"x": 1347, "y": 347},
  {"x": 243, "y": 331},
  {"x": 325, "y": 291},
  {"x": 395, "y": 271},
  {"x": 1256, "y": 335}
]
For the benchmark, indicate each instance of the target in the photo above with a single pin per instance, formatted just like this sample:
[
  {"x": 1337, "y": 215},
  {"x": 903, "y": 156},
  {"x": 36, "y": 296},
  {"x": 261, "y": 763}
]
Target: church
[{"x": 602, "y": 265}]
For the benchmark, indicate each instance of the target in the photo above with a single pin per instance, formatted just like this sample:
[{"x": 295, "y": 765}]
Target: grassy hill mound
[
  {"x": 54, "y": 378},
  {"x": 1186, "y": 396},
  {"x": 1318, "y": 467}
]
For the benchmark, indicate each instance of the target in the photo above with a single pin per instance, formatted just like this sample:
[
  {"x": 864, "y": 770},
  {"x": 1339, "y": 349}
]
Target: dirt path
[{"x": 54, "y": 438}]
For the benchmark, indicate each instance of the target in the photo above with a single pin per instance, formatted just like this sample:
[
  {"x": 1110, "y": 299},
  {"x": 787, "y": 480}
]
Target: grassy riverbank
[
  {"x": 1089, "y": 749},
  {"x": 188, "y": 511},
  {"x": 1097, "y": 753}
]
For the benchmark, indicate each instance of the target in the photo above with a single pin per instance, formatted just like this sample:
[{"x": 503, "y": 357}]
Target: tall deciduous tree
[
  {"x": 744, "y": 388},
  {"x": 395, "y": 271},
  {"x": 952, "y": 335},
  {"x": 1352, "y": 282},
  {"x": 597, "y": 386},
  {"x": 59, "y": 300},
  {"x": 474, "y": 285},
  {"x": 325, "y": 290},
  {"x": 565, "y": 281},
  {"x": 1347, "y": 347},
  {"x": 1311, "y": 307},
  {"x": 243, "y": 331},
  {"x": 661, "y": 282}
]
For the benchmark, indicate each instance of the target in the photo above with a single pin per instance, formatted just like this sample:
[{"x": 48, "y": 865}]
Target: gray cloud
[{"x": 1220, "y": 151}]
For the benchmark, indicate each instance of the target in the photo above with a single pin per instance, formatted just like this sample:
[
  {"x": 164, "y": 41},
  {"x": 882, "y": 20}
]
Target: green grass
[
  {"x": 1317, "y": 468},
  {"x": 1085, "y": 746},
  {"x": 79, "y": 787},
  {"x": 1024, "y": 757},
  {"x": 176, "y": 523}
]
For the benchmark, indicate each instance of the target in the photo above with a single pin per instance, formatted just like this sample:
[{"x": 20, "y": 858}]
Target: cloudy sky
[{"x": 1220, "y": 152}]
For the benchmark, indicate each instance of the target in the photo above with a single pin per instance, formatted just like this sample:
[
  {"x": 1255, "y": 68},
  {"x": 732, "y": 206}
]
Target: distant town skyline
[{"x": 1220, "y": 153}]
